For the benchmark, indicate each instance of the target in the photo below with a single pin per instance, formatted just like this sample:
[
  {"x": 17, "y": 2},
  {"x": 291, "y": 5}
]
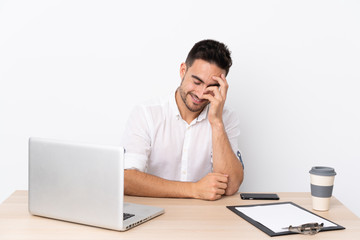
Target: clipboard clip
[{"x": 307, "y": 228}]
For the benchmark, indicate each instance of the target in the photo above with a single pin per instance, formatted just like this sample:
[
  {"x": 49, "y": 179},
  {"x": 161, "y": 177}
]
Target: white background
[{"x": 74, "y": 70}]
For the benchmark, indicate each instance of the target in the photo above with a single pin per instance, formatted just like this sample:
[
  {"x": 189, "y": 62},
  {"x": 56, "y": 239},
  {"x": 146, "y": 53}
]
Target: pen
[{"x": 307, "y": 228}]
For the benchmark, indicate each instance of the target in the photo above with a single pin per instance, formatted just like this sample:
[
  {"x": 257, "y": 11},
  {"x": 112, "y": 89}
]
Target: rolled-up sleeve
[
  {"x": 136, "y": 140},
  {"x": 232, "y": 129},
  {"x": 231, "y": 122}
]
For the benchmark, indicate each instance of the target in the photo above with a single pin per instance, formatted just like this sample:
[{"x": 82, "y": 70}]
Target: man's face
[{"x": 195, "y": 81}]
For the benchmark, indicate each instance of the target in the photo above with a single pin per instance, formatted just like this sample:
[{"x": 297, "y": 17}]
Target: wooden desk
[{"x": 183, "y": 219}]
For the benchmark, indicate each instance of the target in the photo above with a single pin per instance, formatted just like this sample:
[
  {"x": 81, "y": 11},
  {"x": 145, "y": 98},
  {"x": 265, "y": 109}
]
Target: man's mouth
[{"x": 196, "y": 100}]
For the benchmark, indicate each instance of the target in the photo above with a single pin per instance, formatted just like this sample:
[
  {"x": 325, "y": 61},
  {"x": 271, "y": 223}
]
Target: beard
[{"x": 189, "y": 104}]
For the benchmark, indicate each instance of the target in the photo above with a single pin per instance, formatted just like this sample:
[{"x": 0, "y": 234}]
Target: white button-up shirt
[{"x": 159, "y": 142}]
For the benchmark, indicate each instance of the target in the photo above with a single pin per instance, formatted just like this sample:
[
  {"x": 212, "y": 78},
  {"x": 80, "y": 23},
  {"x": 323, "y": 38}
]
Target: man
[{"x": 186, "y": 146}]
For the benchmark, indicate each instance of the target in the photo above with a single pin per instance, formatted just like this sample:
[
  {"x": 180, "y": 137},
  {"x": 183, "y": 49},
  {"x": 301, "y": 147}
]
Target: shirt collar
[
  {"x": 175, "y": 109},
  {"x": 203, "y": 115},
  {"x": 173, "y": 105}
]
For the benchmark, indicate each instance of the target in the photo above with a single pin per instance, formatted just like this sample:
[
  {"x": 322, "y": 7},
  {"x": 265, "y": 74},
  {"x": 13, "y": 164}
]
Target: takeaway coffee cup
[{"x": 322, "y": 183}]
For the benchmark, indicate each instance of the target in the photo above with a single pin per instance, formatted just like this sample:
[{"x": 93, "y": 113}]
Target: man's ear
[{"x": 183, "y": 70}]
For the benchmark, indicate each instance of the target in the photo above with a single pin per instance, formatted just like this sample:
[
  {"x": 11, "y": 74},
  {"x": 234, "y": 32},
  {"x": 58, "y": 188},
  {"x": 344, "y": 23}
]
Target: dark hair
[{"x": 211, "y": 51}]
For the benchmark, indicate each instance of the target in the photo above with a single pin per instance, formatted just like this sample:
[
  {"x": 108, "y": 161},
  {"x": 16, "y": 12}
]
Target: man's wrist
[
  {"x": 192, "y": 190},
  {"x": 217, "y": 126}
]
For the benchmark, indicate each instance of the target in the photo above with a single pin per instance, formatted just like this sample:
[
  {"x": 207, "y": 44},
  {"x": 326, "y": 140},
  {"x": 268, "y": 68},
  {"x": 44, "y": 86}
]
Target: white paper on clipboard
[{"x": 280, "y": 216}]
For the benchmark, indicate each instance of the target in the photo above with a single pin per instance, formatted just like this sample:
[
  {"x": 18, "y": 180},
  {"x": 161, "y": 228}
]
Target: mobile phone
[{"x": 259, "y": 196}]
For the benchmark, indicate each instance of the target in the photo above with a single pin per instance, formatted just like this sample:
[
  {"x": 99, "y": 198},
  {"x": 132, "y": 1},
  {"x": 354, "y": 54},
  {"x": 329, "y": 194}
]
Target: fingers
[
  {"x": 217, "y": 93},
  {"x": 211, "y": 187},
  {"x": 218, "y": 186},
  {"x": 220, "y": 191},
  {"x": 213, "y": 91},
  {"x": 213, "y": 95},
  {"x": 221, "y": 178},
  {"x": 224, "y": 86}
]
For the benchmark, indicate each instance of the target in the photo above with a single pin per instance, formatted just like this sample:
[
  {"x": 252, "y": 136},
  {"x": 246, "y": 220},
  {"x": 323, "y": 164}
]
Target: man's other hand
[{"x": 210, "y": 187}]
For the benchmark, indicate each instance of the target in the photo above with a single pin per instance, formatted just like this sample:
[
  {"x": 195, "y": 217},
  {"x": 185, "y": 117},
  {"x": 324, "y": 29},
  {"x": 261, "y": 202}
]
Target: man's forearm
[
  {"x": 142, "y": 184},
  {"x": 224, "y": 159},
  {"x": 210, "y": 187}
]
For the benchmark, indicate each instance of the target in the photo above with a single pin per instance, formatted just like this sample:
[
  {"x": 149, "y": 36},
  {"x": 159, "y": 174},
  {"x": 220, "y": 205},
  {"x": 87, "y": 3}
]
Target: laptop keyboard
[{"x": 127, "y": 216}]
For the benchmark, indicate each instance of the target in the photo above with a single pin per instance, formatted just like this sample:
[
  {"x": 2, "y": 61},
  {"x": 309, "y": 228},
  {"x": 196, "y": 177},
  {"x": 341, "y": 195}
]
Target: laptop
[{"x": 82, "y": 183}]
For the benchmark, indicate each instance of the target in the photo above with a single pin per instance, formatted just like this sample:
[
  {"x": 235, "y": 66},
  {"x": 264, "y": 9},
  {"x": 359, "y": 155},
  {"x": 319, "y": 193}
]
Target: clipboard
[{"x": 266, "y": 216}]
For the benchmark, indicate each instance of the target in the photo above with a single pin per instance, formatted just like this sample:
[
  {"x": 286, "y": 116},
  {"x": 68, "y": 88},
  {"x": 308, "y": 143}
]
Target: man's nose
[{"x": 203, "y": 90}]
